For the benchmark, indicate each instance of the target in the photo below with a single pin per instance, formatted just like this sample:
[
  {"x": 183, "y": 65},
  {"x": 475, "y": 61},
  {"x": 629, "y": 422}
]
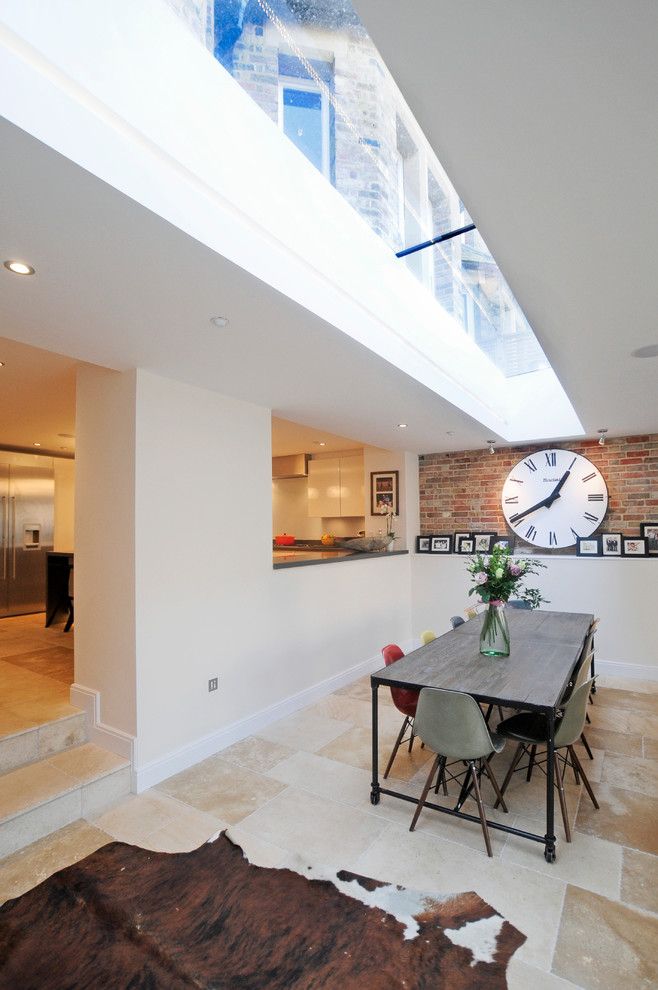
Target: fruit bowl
[{"x": 367, "y": 544}]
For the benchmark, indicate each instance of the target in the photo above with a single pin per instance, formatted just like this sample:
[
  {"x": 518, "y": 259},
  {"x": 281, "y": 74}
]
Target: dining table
[{"x": 545, "y": 647}]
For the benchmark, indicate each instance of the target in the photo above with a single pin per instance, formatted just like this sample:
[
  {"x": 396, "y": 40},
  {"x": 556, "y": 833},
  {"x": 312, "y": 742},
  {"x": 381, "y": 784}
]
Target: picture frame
[
  {"x": 384, "y": 492},
  {"x": 465, "y": 544},
  {"x": 611, "y": 545},
  {"x": 634, "y": 546},
  {"x": 458, "y": 536},
  {"x": 423, "y": 544},
  {"x": 649, "y": 532},
  {"x": 484, "y": 542},
  {"x": 504, "y": 541},
  {"x": 589, "y": 546},
  {"x": 441, "y": 543}
]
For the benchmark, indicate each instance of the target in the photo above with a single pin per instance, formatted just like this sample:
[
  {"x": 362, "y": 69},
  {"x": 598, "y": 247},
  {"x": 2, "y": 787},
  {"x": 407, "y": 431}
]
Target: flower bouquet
[{"x": 495, "y": 578}]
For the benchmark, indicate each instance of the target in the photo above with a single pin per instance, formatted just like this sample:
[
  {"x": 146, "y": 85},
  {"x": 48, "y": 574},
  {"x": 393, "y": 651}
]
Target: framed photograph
[
  {"x": 384, "y": 492},
  {"x": 649, "y": 532},
  {"x": 634, "y": 546},
  {"x": 503, "y": 541},
  {"x": 460, "y": 536},
  {"x": 423, "y": 544},
  {"x": 441, "y": 544},
  {"x": 465, "y": 544},
  {"x": 589, "y": 547},
  {"x": 484, "y": 542},
  {"x": 611, "y": 544}
]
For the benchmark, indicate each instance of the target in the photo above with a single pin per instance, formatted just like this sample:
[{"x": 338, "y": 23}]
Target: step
[
  {"x": 43, "y": 740},
  {"x": 43, "y": 796}
]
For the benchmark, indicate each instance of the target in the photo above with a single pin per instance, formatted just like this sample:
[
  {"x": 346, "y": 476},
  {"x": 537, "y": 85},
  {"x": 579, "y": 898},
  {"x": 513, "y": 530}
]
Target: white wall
[
  {"x": 105, "y": 542},
  {"x": 64, "y": 541},
  {"x": 407, "y": 522},
  {"x": 621, "y": 592}
]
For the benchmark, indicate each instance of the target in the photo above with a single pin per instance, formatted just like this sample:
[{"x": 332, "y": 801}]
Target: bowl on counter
[
  {"x": 284, "y": 540},
  {"x": 367, "y": 544}
]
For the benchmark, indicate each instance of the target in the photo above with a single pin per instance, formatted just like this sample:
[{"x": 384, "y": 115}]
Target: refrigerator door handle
[
  {"x": 5, "y": 525},
  {"x": 13, "y": 536}
]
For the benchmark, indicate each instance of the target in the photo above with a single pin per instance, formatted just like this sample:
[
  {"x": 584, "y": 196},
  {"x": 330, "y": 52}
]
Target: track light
[
  {"x": 602, "y": 434},
  {"x": 492, "y": 446}
]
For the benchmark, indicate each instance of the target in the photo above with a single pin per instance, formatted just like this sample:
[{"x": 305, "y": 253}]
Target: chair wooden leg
[
  {"x": 513, "y": 765},
  {"x": 397, "y": 746},
  {"x": 563, "y": 801},
  {"x": 483, "y": 817},
  {"x": 586, "y": 745},
  {"x": 426, "y": 790},
  {"x": 411, "y": 737},
  {"x": 531, "y": 762},
  {"x": 494, "y": 784},
  {"x": 586, "y": 782}
]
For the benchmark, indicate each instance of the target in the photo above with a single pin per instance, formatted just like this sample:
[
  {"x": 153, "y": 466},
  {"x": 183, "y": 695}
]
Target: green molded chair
[
  {"x": 452, "y": 724},
  {"x": 530, "y": 730},
  {"x": 427, "y": 636}
]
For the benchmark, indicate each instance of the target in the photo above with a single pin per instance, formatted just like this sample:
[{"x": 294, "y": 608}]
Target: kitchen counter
[{"x": 285, "y": 557}]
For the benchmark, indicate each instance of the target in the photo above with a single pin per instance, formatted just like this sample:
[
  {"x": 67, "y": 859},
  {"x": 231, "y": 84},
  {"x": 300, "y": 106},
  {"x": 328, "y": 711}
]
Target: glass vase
[{"x": 494, "y": 637}]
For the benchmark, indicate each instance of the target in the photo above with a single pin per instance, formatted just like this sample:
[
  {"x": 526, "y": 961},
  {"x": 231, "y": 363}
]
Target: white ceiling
[
  {"x": 547, "y": 128},
  {"x": 293, "y": 438},
  {"x": 545, "y": 116}
]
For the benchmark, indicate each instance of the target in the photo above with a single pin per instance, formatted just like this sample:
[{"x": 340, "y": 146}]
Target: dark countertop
[{"x": 325, "y": 557}]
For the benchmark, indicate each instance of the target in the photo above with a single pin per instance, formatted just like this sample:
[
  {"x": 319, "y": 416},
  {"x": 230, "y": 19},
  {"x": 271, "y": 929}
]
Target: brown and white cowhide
[{"x": 129, "y": 918}]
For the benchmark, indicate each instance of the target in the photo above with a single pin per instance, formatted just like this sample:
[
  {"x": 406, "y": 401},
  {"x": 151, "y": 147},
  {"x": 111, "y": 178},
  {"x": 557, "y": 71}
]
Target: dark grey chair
[
  {"x": 519, "y": 603},
  {"x": 452, "y": 724},
  {"x": 530, "y": 730},
  {"x": 457, "y": 620}
]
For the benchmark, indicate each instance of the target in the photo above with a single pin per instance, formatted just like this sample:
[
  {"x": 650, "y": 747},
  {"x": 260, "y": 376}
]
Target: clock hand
[
  {"x": 526, "y": 512},
  {"x": 556, "y": 491}
]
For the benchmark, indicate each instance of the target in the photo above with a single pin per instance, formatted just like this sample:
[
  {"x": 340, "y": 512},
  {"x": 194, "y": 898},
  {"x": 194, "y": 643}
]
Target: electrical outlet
[{"x": 213, "y": 683}]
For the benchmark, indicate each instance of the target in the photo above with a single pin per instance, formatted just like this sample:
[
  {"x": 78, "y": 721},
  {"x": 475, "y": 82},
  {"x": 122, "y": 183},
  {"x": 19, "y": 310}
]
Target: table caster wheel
[
  {"x": 374, "y": 797},
  {"x": 549, "y": 855}
]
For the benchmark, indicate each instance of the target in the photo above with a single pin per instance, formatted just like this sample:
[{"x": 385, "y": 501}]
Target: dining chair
[
  {"x": 453, "y": 726},
  {"x": 404, "y": 700},
  {"x": 427, "y": 636},
  {"x": 457, "y": 620},
  {"x": 519, "y": 603},
  {"x": 530, "y": 729}
]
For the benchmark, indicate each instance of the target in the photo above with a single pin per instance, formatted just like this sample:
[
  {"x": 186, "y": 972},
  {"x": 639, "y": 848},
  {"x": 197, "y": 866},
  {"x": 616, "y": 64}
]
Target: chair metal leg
[
  {"x": 586, "y": 745},
  {"x": 563, "y": 801},
  {"x": 586, "y": 782},
  {"x": 531, "y": 763},
  {"x": 441, "y": 777},
  {"x": 494, "y": 784},
  {"x": 513, "y": 765},
  {"x": 483, "y": 817},
  {"x": 397, "y": 745},
  {"x": 426, "y": 789},
  {"x": 487, "y": 714},
  {"x": 411, "y": 737}
]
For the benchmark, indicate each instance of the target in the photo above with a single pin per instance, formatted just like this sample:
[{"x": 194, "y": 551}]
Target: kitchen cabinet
[{"x": 335, "y": 487}]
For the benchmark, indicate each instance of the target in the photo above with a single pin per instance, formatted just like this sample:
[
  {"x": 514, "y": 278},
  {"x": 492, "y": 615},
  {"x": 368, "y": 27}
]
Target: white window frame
[{"x": 309, "y": 86}]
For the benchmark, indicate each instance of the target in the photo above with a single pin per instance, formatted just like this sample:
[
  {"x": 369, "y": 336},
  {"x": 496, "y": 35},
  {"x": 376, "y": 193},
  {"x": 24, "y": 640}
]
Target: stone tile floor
[{"x": 302, "y": 787}]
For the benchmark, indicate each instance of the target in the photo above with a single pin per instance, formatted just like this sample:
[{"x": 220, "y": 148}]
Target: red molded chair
[{"x": 405, "y": 701}]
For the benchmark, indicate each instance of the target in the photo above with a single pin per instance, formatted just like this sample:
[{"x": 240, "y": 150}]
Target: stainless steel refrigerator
[{"x": 27, "y": 507}]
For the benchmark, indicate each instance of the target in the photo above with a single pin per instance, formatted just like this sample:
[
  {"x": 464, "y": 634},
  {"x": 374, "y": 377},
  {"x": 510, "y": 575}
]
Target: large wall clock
[{"x": 552, "y": 497}]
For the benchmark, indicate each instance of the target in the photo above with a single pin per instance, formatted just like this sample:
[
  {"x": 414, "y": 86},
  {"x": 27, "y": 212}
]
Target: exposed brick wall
[{"x": 461, "y": 491}]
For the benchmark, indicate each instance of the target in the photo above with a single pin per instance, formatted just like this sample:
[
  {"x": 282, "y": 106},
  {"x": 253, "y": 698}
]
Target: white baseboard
[
  {"x": 115, "y": 740},
  {"x": 152, "y": 773},
  {"x": 633, "y": 671}
]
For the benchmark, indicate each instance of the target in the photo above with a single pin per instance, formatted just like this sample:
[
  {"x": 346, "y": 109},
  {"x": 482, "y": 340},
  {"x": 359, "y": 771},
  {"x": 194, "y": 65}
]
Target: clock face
[{"x": 552, "y": 497}]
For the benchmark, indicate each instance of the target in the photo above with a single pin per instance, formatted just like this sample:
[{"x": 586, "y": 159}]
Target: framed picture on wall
[
  {"x": 384, "y": 492},
  {"x": 634, "y": 546},
  {"x": 465, "y": 544},
  {"x": 611, "y": 544},
  {"x": 423, "y": 544},
  {"x": 484, "y": 542},
  {"x": 441, "y": 544},
  {"x": 503, "y": 541},
  {"x": 460, "y": 536},
  {"x": 589, "y": 547},
  {"x": 649, "y": 531}
]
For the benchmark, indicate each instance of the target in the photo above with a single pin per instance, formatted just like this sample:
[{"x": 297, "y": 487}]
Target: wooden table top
[{"x": 545, "y": 647}]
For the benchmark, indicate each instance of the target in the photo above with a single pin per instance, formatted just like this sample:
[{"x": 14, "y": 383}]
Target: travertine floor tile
[
  {"x": 623, "y": 743},
  {"x": 639, "y": 880},
  {"x": 32, "y": 785},
  {"x": 257, "y": 851},
  {"x": 222, "y": 789},
  {"x": 605, "y": 945},
  {"x": 137, "y": 816},
  {"x": 627, "y": 684},
  {"x": 256, "y": 754},
  {"x": 305, "y": 730},
  {"x": 187, "y": 830},
  {"x": 626, "y": 817},
  {"x": 355, "y": 747},
  {"x": 635, "y": 701},
  {"x": 87, "y": 762},
  {"x": 631, "y": 774},
  {"x": 521, "y": 976},
  {"x": 649, "y": 748}
]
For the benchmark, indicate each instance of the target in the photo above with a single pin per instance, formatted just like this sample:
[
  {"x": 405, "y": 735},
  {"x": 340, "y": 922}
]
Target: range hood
[{"x": 291, "y": 466}]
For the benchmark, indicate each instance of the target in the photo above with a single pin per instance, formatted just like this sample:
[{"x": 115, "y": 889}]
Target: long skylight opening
[{"x": 313, "y": 69}]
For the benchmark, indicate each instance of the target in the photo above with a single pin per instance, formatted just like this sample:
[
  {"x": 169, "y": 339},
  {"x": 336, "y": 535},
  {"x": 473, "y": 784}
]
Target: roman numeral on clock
[
  {"x": 531, "y": 532},
  {"x": 590, "y": 517},
  {"x": 551, "y": 458},
  {"x": 572, "y": 464},
  {"x": 552, "y": 539},
  {"x": 513, "y": 500},
  {"x": 530, "y": 464},
  {"x": 588, "y": 477},
  {"x": 595, "y": 498}
]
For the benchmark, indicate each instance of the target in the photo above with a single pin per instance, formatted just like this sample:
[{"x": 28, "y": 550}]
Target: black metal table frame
[{"x": 548, "y": 840}]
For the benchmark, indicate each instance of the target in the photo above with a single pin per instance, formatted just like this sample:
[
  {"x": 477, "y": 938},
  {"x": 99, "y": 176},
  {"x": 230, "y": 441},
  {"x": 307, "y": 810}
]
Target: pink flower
[
  {"x": 480, "y": 577},
  {"x": 515, "y": 570}
]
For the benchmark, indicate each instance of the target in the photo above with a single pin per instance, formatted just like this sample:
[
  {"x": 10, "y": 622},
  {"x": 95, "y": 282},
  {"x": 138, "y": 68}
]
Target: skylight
[{"x": 313, "y": 69}]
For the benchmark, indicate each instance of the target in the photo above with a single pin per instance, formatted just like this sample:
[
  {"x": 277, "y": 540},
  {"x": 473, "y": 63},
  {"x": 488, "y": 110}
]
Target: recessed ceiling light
[
  {"x": 2, "y": 364},
  {"x": 219, "y": 321},
  {"x": 66, "y": 436},
  {"x": 36, "y": 444},
  {"x": 19, "y": 267},
  {"x": 646, "y": 352},
  {"x": 402, "y": 426}
]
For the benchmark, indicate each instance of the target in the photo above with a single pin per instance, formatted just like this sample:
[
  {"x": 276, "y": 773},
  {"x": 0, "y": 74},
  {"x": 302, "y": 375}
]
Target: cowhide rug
[{"x": 129, "y": 918}]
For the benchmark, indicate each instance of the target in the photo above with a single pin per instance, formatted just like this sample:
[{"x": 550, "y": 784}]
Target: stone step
[
  {"x": 38, "y": 741},
  {"x": 43, "y": 796}
]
